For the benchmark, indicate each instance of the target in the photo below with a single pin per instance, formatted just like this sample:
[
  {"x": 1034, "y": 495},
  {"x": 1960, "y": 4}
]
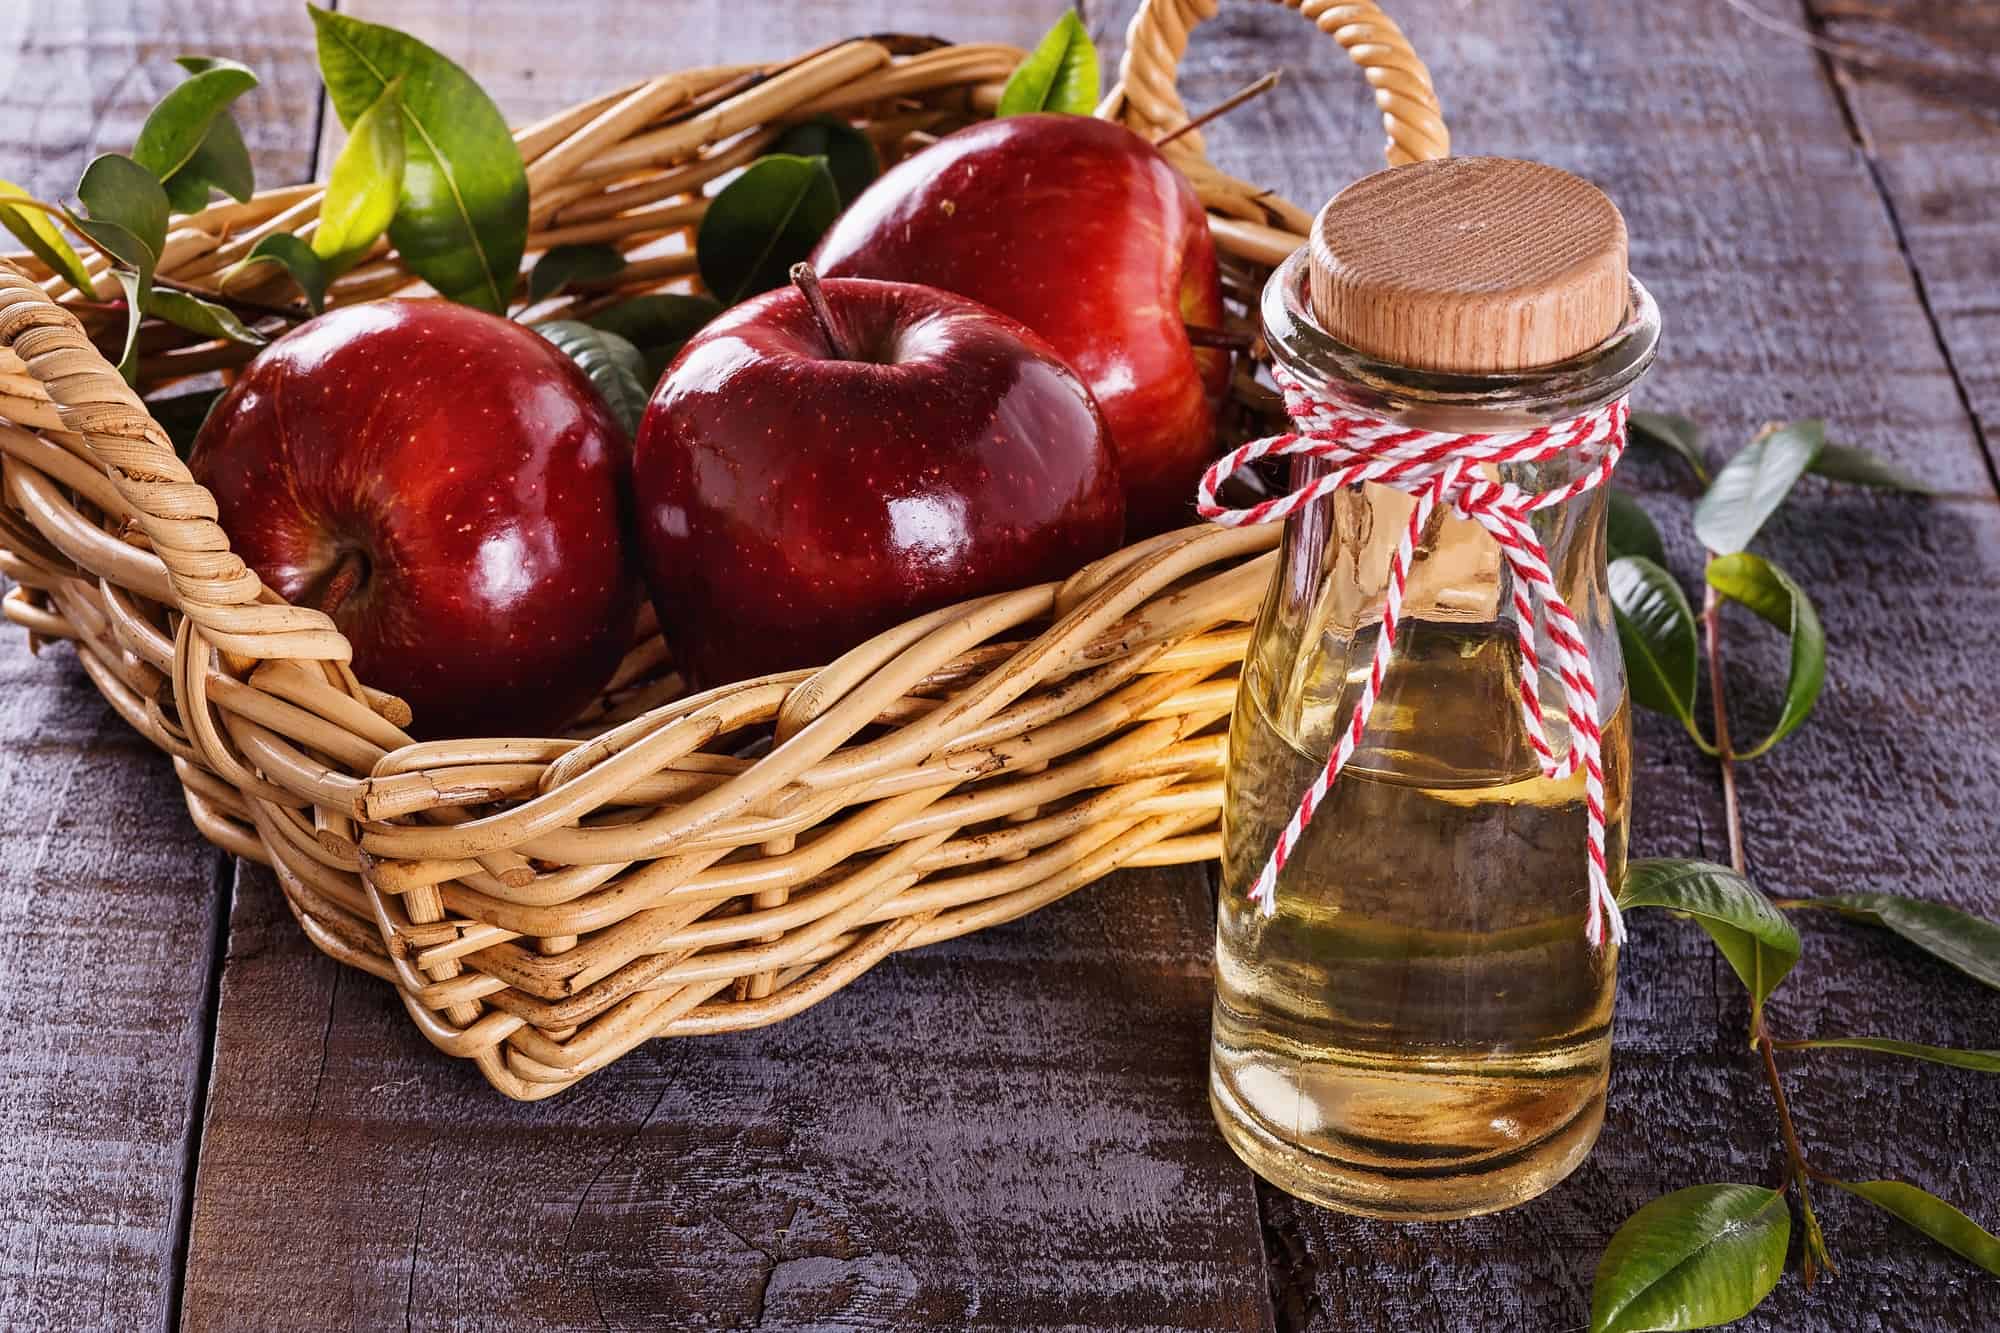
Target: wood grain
[
  {"x": 1006, "y": 1131},
  {"x": 1888, "y": 789},
  {"x": 1709, "y": 136},
  {"x": 505, "y": 43},
  {"x": 108, "y": 901},
  {"x": 110, "y": 904},
  {"x": 1470, "y": 264},
  {"x": 1922, "y": 88},
  {"x": 77, "y": 78}
]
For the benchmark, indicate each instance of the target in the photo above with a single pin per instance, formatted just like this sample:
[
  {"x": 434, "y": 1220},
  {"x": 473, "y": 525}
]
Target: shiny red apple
[
  {"x": 449, "y": 488},
  {"x": 807, "y": 477},
  {"x": 1081, "y": 230}
]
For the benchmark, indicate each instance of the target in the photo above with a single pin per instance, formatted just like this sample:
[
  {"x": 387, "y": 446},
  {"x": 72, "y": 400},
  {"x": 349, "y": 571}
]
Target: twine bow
[{"x": 1443, "y": 469}]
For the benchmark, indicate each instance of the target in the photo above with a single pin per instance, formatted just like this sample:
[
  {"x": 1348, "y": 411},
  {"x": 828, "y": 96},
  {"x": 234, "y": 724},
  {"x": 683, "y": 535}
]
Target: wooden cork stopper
[{"x": 1470, "y": 264}]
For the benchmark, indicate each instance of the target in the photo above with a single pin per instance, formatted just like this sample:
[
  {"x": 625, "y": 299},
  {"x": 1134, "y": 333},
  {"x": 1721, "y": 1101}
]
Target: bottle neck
[
  {"x": 1460, "y": 593},
  {"x": 1440, "y": 401}
]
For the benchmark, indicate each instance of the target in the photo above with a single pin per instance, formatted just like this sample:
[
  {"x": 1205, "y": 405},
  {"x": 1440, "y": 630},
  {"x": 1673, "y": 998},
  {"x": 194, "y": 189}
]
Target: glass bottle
[{"x": 1421, "y": 1030}]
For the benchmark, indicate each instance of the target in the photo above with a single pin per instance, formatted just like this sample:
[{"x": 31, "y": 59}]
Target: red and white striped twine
[{"x": 1444, "y": 469}]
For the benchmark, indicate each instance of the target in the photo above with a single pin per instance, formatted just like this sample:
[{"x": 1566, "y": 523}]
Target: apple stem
[
  {"x": 340, "y": 585},
  {"x": 1222, "y": 108},
  {"x": 807, "y": 282}
]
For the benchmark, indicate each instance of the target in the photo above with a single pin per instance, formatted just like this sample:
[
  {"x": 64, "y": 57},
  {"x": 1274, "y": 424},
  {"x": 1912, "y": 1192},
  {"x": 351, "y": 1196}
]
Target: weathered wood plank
[
  {"x": 1002, "y": 1132},
  {"x": 1924, "y": 95},
  {"x": 1007, "y": 1131},
  {"x": 78, "y": 76},
  {"x": 506, "y": 44},
  {"x": 110, "y": 904},
  {"x": 1888, "y": 788},
  {"x": 1754, "y": 221}
]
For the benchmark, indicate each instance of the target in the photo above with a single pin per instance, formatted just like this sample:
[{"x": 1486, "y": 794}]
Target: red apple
[
  {"x": 447, "y": 486},
  {"x": 806, "y": 479},
  {"x": 1081, "y": 230}
]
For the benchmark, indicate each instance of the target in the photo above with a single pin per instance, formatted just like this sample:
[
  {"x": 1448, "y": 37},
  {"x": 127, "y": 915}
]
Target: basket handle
[
  {"x": 211, "y": 585},
  {"x": 1147, "y": 100}
]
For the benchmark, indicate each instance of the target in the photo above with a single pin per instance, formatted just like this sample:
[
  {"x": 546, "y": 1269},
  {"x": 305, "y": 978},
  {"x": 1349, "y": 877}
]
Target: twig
[
  {"x": 1204, "y": 335},
  {"x": 1222, "y": 108},
  {"x": 1799, "y": 1172},
  {"x": 1732, "y": 818},
  {"x": 1791, "y": 1133}
]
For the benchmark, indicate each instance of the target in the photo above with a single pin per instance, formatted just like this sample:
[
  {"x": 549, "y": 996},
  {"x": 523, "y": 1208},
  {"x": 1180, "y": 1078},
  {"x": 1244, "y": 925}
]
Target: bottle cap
[{"x": 1471, "y": 265}]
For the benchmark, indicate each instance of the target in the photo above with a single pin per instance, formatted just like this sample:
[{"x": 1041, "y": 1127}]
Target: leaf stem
[
  {"x": 1802, "y": 1171},
  {"x": 1793, "y": 1152},
  {"x": 28, "y": 201},
  {"x": 1732, "y": 815}
]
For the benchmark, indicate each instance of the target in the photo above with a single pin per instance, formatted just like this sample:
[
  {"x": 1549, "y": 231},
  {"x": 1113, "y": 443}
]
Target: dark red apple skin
[
  {"x": 1081, "y": 230},
  {"x": 479, "y": 475},
  {"x": 790, "y": 504}
]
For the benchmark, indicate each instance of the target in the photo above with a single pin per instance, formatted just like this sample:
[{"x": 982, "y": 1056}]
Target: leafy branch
[{"x": 1710, "y": 1254}]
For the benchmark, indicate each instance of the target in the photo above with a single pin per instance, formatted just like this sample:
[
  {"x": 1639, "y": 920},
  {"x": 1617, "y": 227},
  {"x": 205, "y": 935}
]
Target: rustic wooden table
[{"x": 207, "y": 1122}]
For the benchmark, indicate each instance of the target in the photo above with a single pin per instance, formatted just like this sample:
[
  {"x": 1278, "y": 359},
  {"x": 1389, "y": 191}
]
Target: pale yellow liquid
[{"x": 1422, "y": 1030}]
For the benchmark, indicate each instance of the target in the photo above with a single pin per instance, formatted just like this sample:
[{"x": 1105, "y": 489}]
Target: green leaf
[
  {"x": 127, "y": 212},
  {"x": 183, "y": 415},
  {"x": 298, "y": 259},
  {"x": 1751, "y": 933},
  {"x": 1629, "y": 529},
  {"x": 178, "y": 127},
  {"x": 1656, "y": 633},
  {"x": 203, "y": 317},
  {"x": 763, "y": 222},
  {"x": 1860, "y": 467},
  {"x": 1695, "y": 1258},
  {"x": 128, "y": 218},
  {"x": 1060, "y": 74},
  {"x": 1670, "y": 433},
  {"x": 128, "y": 358},
  {"x": 220, "y": 163},
  {"x": 612, "y": 364},
  {"x": 1985, "y": 1062},
  {"x": 1755, "y": 582},
  {"x": 658, "y": 325},
  {"x": 36, "y": 230},
  {"x": 1753, "y": 484},
  {"x": 1932, "y": 1216},
  {"x": 566, "y": 264},
  {"x": 1967, "y": 942},
  {"x": 365, "y": 185},
  {"x": 850, "y": 155},
  {"x": 462, "y": 222}
]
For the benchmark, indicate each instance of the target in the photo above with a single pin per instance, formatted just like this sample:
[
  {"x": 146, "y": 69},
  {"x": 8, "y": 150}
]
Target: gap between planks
[
  {"x": 222, "y": 897},
  {"x": 1837, "y": 82}
]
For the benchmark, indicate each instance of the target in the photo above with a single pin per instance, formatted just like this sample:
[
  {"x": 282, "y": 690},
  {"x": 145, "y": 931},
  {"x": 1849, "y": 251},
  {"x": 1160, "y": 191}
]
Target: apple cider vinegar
[
  {"x": 1421, "y": 1030},
  {"x": 1425, "y": 809}
]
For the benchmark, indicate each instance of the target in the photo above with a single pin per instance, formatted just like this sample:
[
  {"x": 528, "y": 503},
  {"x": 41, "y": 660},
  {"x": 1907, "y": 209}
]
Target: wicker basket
[{"x": 679, "y": 865}]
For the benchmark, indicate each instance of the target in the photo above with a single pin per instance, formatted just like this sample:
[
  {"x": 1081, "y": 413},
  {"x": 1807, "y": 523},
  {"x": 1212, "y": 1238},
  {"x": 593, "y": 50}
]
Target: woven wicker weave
[{"x": 543, "y": 906}]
